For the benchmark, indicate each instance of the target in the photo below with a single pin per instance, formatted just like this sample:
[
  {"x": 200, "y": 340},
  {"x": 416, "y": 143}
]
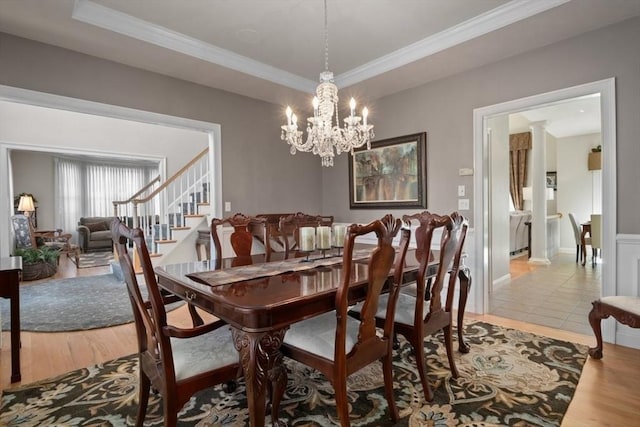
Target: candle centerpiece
[
  {"x": 323, "y": 238},
  {"x": 307, "y": 240},
  {"x": 339, "y": 232}
]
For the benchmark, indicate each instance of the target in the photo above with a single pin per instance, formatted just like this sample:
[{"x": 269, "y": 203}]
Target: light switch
[
  {"x": 227, "y": 206},
  {"x": 461, "y": 190},
  {"x": 463, "y": 204}
]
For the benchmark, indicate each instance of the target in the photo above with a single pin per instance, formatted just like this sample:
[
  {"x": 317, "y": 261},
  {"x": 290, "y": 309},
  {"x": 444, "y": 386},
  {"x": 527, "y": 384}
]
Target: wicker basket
[{"x": 38, "y": 270}]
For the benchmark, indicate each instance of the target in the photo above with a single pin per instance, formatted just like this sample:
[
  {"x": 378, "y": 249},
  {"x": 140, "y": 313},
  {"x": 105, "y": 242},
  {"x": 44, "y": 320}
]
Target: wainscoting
[{"x": 628, "y": 282}]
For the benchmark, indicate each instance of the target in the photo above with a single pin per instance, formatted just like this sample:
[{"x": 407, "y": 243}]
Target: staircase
[{"x": 172, "y": 212}]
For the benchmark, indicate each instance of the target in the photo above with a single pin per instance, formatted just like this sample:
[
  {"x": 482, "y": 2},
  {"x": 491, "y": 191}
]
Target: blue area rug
[{"x": 73, "y": 304}]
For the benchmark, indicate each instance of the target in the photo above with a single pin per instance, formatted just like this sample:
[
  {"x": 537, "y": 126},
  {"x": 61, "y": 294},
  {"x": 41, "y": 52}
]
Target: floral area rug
[{"x": 510, "y": 378}]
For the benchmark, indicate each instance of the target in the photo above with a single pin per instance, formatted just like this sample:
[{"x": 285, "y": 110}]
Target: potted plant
[{"x": 38, "y": 263}]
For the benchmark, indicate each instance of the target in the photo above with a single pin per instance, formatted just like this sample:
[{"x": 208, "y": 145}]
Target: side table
[{"x": 10, "y": 275}]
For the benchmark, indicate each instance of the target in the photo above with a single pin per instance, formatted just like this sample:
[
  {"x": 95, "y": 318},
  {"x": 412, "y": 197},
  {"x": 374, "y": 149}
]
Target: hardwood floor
[{"x": 607, "y": 394}]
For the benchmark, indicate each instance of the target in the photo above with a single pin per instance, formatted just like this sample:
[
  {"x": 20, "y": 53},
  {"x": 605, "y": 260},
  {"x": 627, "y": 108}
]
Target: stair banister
[{"x": 162, "y": 210}]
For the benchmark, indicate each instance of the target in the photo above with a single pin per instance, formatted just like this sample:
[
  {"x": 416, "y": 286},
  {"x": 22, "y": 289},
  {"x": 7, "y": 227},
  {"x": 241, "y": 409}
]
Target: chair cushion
[
  {"x": 318, "y": 334},
  {"x": 97, "y": 226},
  {"x": 101, "y": 235},
  {"x": 628, "y": 304},
  {"x": 405, "y": 308},
  {"x": 192, "y": 356}
]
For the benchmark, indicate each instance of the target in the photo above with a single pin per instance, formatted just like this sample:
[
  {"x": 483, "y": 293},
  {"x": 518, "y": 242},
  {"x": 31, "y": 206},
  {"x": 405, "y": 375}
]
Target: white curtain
[
  {"x": 68, "y": 195},
  {"x": 88, "y": 188}
]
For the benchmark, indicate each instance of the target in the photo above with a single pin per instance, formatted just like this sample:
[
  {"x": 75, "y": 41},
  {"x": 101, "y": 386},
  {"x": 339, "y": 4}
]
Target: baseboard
[
  {"x": 501, "y": 281},
  {"x": 627, "y": 337}
]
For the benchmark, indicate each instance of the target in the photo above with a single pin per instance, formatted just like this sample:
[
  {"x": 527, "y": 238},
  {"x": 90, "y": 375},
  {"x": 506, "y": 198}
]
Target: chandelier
[{"x": 325, "y": 138}]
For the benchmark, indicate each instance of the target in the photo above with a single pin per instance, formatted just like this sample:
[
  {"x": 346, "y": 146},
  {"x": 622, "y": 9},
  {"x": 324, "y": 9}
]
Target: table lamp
[{"x": 26, "y": 206}]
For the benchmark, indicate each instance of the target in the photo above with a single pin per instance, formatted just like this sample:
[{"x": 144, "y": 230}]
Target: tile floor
[{"x": 558, "y": 295}]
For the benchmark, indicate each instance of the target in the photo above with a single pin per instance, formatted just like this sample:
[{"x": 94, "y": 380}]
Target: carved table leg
[
  {"x": 263, "y": 371},
  {"x": 595, "y": 319},
  {"x": 465, "y": 284}
]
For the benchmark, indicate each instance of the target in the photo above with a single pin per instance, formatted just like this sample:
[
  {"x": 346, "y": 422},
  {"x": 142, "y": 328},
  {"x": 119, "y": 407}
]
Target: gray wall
[
  {"x": 259, "y": 174},
  {"x": 32, "y": 169},
  {"x": 444, "y": 109}
]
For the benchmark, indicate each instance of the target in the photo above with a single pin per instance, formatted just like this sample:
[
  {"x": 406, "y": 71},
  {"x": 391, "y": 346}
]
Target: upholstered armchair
[{"x": 94, "y": 234}]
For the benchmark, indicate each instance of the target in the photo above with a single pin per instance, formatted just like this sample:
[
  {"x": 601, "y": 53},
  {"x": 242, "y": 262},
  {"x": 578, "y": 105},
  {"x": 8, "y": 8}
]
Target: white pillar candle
[
  {"x": 338, "y": 235},
  {"x": 307, "y": 238},
  {"x": 324, "y": 237}
]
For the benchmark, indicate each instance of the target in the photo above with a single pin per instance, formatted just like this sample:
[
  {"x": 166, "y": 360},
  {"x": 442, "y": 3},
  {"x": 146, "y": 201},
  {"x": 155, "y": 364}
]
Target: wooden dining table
[{"x": 260, "y": 310}]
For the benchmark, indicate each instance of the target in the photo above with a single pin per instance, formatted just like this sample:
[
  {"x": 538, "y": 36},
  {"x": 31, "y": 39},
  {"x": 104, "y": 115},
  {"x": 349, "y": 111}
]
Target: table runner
[{"x": 268, "y": 269}]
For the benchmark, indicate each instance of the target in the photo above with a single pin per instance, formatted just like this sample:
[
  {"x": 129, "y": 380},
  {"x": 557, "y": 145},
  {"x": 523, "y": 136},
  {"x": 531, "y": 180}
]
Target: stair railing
[
  {"x": 167, "y": 205},
  {"x": 124, "y": 208}
]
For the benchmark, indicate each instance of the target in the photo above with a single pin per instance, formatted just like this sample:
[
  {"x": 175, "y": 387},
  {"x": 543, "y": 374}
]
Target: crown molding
[
  {"x": 477, "y": 26},
  {"x": 109, "y": 19}
]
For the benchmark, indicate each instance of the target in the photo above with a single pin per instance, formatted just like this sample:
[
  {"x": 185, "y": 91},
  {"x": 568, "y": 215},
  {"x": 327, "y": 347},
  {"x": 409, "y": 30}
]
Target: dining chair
[
  {"x": 290, "y": 225},
  {"x": 241, "y": 238},
  {"x": 25, "y": 236},
  {"x": 268, "y": 233},
  {"x": 578, "y": 236},
  {"x": 423, "y": 313},
  {"x": 337, "y": 344},
  {"x": 176, "y": 362},
  {"x": 596, "y": 237}
]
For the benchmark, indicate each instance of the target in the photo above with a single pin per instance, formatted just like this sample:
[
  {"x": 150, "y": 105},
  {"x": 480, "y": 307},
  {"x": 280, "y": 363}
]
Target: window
[{"x": 88, "y": 188}]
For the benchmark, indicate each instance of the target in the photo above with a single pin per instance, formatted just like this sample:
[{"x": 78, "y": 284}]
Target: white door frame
[
  {"x": 42, "y": 99},
  {"x": 481, "y": 211}
]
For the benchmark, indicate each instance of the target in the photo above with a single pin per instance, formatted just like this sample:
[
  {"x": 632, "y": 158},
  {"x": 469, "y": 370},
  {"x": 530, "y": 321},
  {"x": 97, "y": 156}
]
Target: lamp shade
[{"x": 26, "y": 204}]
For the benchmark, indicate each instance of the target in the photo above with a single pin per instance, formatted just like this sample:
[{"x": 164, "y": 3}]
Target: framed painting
[{"x": 392, "y": 174}]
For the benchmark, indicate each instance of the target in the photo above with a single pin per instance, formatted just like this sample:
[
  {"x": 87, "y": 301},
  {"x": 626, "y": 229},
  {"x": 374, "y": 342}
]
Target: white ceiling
[
  {"x": 273, "y": 50},
  {"x": 578, "y": 116}
]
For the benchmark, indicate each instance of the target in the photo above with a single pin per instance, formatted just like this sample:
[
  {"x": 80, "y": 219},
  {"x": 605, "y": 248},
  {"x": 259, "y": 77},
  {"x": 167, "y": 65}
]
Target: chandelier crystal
[{"x": 325, "y": 138}]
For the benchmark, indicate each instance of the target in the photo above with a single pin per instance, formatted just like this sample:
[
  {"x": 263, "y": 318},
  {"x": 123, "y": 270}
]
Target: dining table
[{"x": 260, "y": 298}]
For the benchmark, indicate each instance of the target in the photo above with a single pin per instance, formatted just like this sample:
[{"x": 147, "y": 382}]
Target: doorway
[
  {"x": 482, "y": 180},
  {"x": 55, "y": 102}
]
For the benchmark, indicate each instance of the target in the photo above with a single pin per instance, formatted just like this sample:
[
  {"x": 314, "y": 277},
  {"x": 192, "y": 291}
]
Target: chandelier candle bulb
[
  {"x": 307, "y": 238},
  {"x": 352, "y": 104},
  {"x": 324, "y": 237},
  {"x": 339, "y": 232}
]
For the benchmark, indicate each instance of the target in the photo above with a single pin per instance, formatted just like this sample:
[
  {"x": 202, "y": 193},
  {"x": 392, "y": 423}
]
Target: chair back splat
[
  {"x": 241, "y": 238},
  {"x": 177, "y": 362},
  {"x": 337, "y": 344}
]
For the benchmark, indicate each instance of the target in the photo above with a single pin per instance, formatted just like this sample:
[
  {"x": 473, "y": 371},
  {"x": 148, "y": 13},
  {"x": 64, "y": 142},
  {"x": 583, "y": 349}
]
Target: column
[{"x": 538, "y": 182}]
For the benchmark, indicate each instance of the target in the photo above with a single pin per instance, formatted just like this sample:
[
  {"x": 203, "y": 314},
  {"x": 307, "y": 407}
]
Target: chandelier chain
[{"x": 326, "y": 38}]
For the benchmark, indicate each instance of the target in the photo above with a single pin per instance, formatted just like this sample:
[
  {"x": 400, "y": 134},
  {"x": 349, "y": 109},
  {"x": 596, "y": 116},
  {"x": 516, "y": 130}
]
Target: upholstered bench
[{"x": 625, "y": 310}]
